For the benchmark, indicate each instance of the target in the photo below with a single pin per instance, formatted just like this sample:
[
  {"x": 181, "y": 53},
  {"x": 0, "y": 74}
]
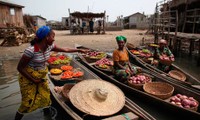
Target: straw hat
[{"x": 97, "y": 97}]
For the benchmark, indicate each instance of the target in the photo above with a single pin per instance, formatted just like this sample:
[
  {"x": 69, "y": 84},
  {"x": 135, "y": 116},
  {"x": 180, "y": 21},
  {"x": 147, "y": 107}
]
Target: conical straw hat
[{"x": 97, "y": 97}]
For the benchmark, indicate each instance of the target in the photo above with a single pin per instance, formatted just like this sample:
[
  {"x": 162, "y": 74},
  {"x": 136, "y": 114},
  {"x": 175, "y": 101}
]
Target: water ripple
[{"x": 11, "y": 95}]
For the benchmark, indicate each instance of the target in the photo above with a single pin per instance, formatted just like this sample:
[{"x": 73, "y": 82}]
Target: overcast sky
[{"x": 56, "y": 9}]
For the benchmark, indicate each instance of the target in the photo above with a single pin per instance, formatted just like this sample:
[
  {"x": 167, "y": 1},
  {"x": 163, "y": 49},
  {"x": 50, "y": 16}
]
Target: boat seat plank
[{"x": 130, "y": 115}]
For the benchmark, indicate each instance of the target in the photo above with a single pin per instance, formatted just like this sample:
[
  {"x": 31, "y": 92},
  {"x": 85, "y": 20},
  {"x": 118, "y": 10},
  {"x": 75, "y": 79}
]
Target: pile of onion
[
  {"x": 184, "y": 101},
  {"x": 104, "y": 61},
  {"x": 139, "y": 79}
]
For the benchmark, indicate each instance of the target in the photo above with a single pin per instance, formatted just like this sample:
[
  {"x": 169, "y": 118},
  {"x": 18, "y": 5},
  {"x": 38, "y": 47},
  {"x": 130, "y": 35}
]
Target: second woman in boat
[
  {"x": 163, "y": 52},
  {"x": 122, "y": 67}
]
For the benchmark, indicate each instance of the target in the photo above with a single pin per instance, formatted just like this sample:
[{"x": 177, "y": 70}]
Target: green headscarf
[{"x": 121, "y": 38}]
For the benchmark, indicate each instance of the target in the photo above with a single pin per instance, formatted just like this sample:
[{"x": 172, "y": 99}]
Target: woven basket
[
  {"x": 159, "y": 89},
  {"x": 50, "y": 66},
  {"x": 177, "y": 75},
  {"x": 65, "y": 90},
  {"x": 139, "y": 86},
  {"x": 91, "y": 60}
]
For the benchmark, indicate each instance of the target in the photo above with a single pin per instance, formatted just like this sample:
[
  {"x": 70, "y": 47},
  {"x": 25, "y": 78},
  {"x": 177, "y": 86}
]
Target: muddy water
[
  {"x": 188, "y": 64},
  {"x": 10, "y": 97}
]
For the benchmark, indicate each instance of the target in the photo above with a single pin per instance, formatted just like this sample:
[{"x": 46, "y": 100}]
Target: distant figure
[
  {"x": 91, "y": 24},
  {"x": 83, "y": 26},
  {"x": 73, "y": 27},
  {"x": 99, "y": 27},
  {"x": 163, "y": 52},
  {"x": 35, "y": 26}
]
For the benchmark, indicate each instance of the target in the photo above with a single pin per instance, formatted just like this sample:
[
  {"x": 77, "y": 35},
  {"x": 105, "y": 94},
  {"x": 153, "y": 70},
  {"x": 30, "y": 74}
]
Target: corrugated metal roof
[
  {"x": 11, "y": 4},
  {"x": 87, "y": 15}
]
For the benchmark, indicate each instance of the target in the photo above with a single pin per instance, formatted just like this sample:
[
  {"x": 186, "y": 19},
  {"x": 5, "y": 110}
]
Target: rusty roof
[{"x": 87, "y": 15}]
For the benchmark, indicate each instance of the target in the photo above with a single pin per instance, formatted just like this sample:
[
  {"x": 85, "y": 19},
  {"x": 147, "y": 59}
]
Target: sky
[{"x": 56, "y": 9}]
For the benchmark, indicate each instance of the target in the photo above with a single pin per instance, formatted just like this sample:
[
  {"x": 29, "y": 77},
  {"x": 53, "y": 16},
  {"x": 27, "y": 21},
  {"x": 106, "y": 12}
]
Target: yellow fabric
[
  {"x": 34, "y": 96},
  {"x": 120, "y": 56}
]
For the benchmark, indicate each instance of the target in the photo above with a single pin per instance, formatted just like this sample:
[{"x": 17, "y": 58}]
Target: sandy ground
[{"x": 101, "y": 42}]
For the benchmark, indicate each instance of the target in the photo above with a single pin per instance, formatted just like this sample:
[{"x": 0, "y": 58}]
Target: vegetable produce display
[
  {"x": 164, "y": 59},
  {"x": 142, "y": 53},
  {"x": 104, "y": 63},
  {"x": 184, "y": 101},
  {"x": 70, "y": 72},
  {"x": 96, "y": 55},
  {"x": 135, "y": 52},
  {"x": 66, "y": 67},
  {"x": 139, "y": 79},
  {"x": 59, "y": 59},
  {"x": 55, "y": 71}
]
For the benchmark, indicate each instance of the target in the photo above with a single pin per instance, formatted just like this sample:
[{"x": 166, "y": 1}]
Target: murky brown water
[{"x": 10, "y": 97}]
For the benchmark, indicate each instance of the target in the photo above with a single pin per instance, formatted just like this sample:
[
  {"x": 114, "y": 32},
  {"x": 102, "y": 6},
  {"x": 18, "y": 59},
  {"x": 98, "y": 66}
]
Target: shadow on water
[{"x": 10, "y": 97}]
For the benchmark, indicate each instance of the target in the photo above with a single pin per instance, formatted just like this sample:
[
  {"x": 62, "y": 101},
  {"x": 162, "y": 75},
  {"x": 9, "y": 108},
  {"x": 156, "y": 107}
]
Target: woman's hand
[
  {"x": 139, "y": 69},
  {"x": 172, "y": 58},
  {"x": 130, "y": 71},
  {"x": 83, "y": 50}
]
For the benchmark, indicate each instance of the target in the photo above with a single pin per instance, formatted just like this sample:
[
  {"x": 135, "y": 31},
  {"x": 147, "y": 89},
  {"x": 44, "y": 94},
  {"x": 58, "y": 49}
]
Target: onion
[
  {"x": 177, "y": 99},
  {"x": 172, "y": 99},
  {"x": 191, "y": 98},
  {"x": 187, "y": 106},
  {"x": 179, "y": 95},
  {"x": 183, "y": 97},
  {"x": 193, "y": 104},
  {"x": 186, "y": 102},
  {"x": 178, "y": 103},
  {"x": 173, "y": 102}
]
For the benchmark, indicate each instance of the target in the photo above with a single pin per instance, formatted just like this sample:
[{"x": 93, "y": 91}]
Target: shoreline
[{"x": 103, "y": 42}]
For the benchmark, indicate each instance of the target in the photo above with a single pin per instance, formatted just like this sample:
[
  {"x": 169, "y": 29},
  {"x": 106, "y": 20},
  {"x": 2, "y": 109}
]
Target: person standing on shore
[{"x": 32, "y": 72}]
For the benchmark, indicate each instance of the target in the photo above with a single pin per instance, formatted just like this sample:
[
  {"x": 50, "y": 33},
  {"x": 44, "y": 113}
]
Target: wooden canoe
[
  {"x": 143, "y": 95},
  {"x": 190, "y": 80},
  {"x": 130, "y": 106}
]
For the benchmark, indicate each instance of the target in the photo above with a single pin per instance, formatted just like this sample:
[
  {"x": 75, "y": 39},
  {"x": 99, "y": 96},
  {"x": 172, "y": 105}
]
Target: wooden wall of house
[
  {"x": 7, "y": 18},
  {"x": 183, "y": 6}
]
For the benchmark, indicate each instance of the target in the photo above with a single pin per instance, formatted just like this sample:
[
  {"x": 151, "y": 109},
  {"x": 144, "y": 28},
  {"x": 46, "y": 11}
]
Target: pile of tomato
[{"x": 70, "y": 72}]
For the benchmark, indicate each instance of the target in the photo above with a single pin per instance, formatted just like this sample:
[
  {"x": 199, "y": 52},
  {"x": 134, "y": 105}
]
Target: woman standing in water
[
  {"x": 122, "y": 67},
  {"x": 32, "y": 72}
]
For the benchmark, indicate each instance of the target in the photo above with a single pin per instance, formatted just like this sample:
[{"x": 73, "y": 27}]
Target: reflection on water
[
  {"x": 9, "y": 89},
  {"x": 188, "y": 64},
  {"x": 10, "y": 97}
]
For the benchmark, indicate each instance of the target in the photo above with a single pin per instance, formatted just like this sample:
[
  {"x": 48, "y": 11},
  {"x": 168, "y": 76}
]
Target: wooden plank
[{"x": 129, "y": 115}]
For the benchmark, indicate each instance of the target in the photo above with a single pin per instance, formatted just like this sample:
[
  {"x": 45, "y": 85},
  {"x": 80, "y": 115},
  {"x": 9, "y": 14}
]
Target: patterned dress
[
  {"x": 34, "y": 95},
  {"x": 167, "y": 52},
  {"x": 123, "y": 58}
]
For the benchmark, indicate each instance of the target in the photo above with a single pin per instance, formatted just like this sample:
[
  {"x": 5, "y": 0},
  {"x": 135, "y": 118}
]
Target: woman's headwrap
[
  {"x": 42, "y": 32},
  {"x": 121, "y": 38},
  {"x": 162, "y": 41}
]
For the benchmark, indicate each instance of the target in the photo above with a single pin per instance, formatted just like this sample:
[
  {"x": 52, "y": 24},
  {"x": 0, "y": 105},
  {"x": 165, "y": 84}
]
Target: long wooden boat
[
  {"x": 186, "y": 113},
  {"x": 129, "y": 108},
  {"x": 190, "y": 80}
]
